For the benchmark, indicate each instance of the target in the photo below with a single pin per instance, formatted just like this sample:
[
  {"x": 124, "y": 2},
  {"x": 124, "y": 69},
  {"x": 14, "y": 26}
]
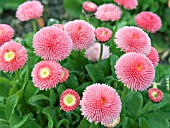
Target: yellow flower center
[
  {"x": 69, "y": 100},
  {"x": 104, "y": 33},
  {"x": 102, "y": 100},
  {"x": 44, "y": 72},
  {"x": 9, "y": 56},
  {"x": 154, "y": 94},
  {"x": 139, "y": 67}
]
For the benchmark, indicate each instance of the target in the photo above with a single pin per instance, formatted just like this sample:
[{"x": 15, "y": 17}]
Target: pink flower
[
  {"x": 52, "y": 43},
  {"x": 64, "y": 75},
  {"x": 153, "y": 56},
  {"x": 100, "y": 103},
  {"x": 155, "y": 94},
  {"x": 93, "y": 53},
  {"x": 133, "y": 39},
  {"x": 148, "y": 21},
  {"x": 46, "y": 74},
  {"x": 108, "y": 12},
  {"x": 13, "y": 56},
  {"x": 103, "y": 34},
  {"x": 135, "y": 70},
  {"x": 29, "y": 10},
  {"x": 59, "y": 26},
  {"x": 81, "y": 33},
  {"x": 6, "y": 33},
  {"x": 69, "y": 100},
  {"x": 114, "y": 123},
  {"x": 127, "y": 4},
  {"x": 89, "y": 6}
]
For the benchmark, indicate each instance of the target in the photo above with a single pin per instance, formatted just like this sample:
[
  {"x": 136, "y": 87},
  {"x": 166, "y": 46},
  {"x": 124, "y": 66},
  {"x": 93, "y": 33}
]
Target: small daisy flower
[
  {"x": 114, "y": 123},
  {"x": 59, "y": 26},
  {"x": 100, "y": 103},
  {"x": 133, "y": 39},
  {"x": 13, "y": 56},
  {"x": 148, "y": 21},
  {"x": 69, "y": 100},
  {"x": 127, "y": 4},
  {"x": 93, "y": 53},
  {"x": 155, "y": 94},
  {"x": 52, "y": 43},
  {"x": 81, "y": 33},
  {"x": 29, "y": 10},
  {"x": 135, "y": 70},
  {"x": 46, "y": 74},
  {"x": 108, "y": 12},
  {"x": 103, "y": 34},
  {"x": 89, "y": 7},
  {"x": 64, "y": 75},
  {"x": 6, "y": 33},
  {"x": 153, "y": 56}
]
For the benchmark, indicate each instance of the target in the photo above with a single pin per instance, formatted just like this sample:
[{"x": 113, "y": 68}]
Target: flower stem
[
  {"x": 116, "y": 26},
  {"x": 34, "y": 26},
  {"x": 18, "y": 77},
  {"x": 124, "y": 92},
  {"x": 101, "y": 52}
]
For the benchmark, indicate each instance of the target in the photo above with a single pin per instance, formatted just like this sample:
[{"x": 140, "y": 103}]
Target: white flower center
[
  {"x": 44, "y": 72},
  {"x": 9, "y": 56},
  {"x": 69, "y": 100}
]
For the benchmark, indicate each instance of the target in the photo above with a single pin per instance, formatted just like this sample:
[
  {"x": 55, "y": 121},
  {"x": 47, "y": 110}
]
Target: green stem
[
  {"x": 51, "y": 96},
  {"x": 101, "y": 52},
  {"x": 116, "y": 26},
  {"x": 34, "y": 26},
  {"x": 18, "y": 77},
  {"x": 124, "y": 92}
]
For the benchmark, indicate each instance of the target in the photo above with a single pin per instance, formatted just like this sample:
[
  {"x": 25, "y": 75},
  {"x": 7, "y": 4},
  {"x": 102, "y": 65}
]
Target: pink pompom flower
[
  {"x": 103, "y": 34},
  {"x": 100, "y": 103},
  {"x": 127, "y": 4},
  {"x": 93, "y": 53},
  {"x": 108, "y": 12},
  {"x": 155, "y": 94},
  {"x": 13, "y": 56},
  {"x": 133, "y": 39},
  {"x": 69, "y": 100},
  {"x": 153, "y": 56},
  {"x": 114, "y": 123},
  {"x": 135, "y": 70},
  {"x": 29, "y": 10},
  {"x": 89, "y": 6},
  {"x": 64, "y": 75},
  {"x": 6, "y": 33},
  {"x": 52, "y": 43},
  {"x": 81, "y": 33},
  {"x": 59, "y": 26},
  {"x": 148, "y": 21},
  {"x": 46, "y": 74}
]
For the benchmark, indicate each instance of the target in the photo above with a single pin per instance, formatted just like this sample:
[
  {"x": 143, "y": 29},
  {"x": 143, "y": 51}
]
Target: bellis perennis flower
[
  {"x": 64, "y": 75},
  {"x": 127, "y": 4},
  {"x": 89, "y": 6},
  {"x": 155, "y": 94},
  {"x": 153, "y": 56}
]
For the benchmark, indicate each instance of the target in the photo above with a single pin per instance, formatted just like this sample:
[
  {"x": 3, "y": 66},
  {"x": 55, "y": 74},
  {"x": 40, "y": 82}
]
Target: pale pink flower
[
  {"x": 127, "y": 4},
  {"x": 81, "y": 33},
  {"x": 64, "y": 75},
  {"x": 29, "y": 10},
  {"x": 100, "y": 103},
  {"x": 89, "y": 6},
  {"x": 135, "y": 70},
  {"x": 13, "y": 56},
  {"x": 153, "y": 56},
  {"x": 133, "y": 39},
  {"x": 155, "y": 94},
  {"x": 148, "y": 21},
  {"x": 108, "y": 12},
  {"x": 114, "y": 122}
]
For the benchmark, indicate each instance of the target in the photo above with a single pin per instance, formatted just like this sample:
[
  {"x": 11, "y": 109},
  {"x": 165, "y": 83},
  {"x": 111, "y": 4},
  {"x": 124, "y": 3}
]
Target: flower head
[
  {"x": 155, "y": 94},
  {"x": 108, "y": 12},
  {"x": 93, "y": 53},
  {"x": 135, "y": 70},
  {"x": 114, "y": 123},
  {"x": 69, "y": 100},
  {"x": 81, "y": 34},
  {"x": 89, "y": 6},
  {"x": 133, "y": 39},
  {"x": 64, "y": 75},
  {"x": 6, "y": 33},
  {"x": 100, "y": 103},
  {"x": 29, "y": 10},
  {"x": 153, "y": 56},
  {"x": 127, "y": 4},
  {"x": 103, "y": 34},
  {"x": 148, "y": 21},
  {"x": 13, "y": 56},
  {"x": 52, "y": 43},
  {"x": 46, "y": 74}
]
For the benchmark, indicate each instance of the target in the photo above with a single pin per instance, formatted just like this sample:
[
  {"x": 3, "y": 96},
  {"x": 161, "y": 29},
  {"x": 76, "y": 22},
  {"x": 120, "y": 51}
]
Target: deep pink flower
[
  {"x": 127, "y": 4},
  {"x": 100, "y": 103},
  {"x": 148, "y": 21},
  {"x": 133, "y": 39},
  {"x": 89, "y": 6},
  {"x": 135, "y": 70},
  {"x": 93, "y": 53},
  {"x": 103, "y": 34},
  {"x": 29, "y": 10},
  {"x": 13, "y": 56},
  {"x": 6, "y": 33},
  {"x": 52, "y": 43},
  {"x": 114, "y": 122},
  {"x": 108, "y": 12},
  {"x": 46, "y": 74},
  {"x": 69, "y": 100},
  {"x": 155, "y": 94},
  {"x": 153, "y": 56},
  {"x": 64, "y": 75},
  {"x": 59, "y": 26}
]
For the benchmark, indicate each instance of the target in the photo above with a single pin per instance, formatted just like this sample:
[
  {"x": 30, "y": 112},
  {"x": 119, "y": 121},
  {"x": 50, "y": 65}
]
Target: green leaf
[
  {"x": 143, "y": 123},
  {"x": 81, "y": 88},
  {"x": 72, "y": 82},
  {"x": 130, "y": 123},
  {"x": 31, "y": 124},
  {"x": 83, "y": 123},
  {"x": 4, "y": 123},
  {"x": 113, "y": 59},
  {"x": 63, "y": 123}
]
